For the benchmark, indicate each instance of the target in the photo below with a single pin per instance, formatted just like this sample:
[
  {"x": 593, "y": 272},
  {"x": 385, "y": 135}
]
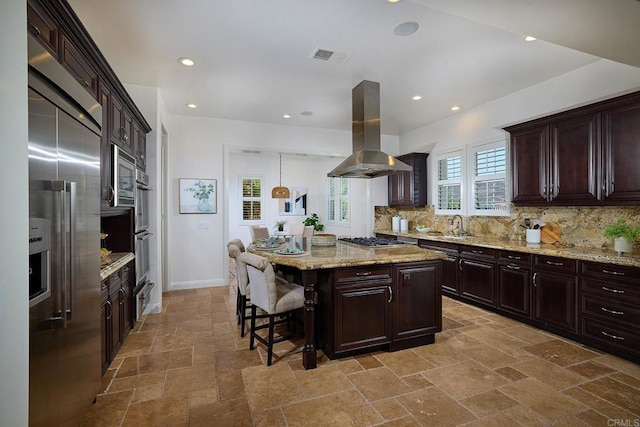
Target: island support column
[{"x": 309, "y": 353}]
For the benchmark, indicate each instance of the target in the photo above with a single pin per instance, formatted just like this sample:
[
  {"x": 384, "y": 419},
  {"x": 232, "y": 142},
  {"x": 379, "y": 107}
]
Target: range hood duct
[{"x": 367, "y": 161}]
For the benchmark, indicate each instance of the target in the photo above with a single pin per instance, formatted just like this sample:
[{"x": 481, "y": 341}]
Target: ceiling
[{"x": 254, "y": 57}]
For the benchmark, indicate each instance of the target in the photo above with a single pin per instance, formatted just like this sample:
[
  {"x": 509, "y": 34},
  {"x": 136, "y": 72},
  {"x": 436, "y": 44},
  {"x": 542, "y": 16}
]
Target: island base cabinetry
[{"x": 379, "y": 307}]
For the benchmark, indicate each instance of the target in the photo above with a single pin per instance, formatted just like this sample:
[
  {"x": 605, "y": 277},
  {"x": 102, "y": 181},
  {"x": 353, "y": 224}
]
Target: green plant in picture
[
  {"x": 315, "y": 221},
  {"x": 621, "y": 228},
  {"x": 280, "y": 225},
  {"x": 201, "y": 190}
]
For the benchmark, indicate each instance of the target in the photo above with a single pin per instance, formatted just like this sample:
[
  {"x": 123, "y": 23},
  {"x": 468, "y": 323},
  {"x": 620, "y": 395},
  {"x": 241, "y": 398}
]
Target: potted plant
[
  {"x": 280, "y": 225},
  {"x": 624, "y": 234},
  {"x": 314, "y": 220}
]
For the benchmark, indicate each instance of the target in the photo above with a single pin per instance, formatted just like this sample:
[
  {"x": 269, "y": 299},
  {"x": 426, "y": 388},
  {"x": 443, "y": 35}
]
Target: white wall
[
  {"x": 14, "y": 307},
  {"x": 600, "y": 80},
  {"x": 197, "y": 150}
]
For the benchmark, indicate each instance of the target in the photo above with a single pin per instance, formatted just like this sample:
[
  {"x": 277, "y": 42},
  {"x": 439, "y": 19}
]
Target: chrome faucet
[{"x": 461, "y": 230}]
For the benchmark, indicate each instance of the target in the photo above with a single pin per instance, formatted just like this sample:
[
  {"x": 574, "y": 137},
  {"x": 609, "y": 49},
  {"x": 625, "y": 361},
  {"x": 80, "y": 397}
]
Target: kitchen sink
[{"x": 454, "y": 237}]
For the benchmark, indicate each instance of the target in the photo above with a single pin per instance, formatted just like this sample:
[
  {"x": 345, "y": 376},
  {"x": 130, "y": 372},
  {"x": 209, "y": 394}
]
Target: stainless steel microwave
[{"x": 124, "y": 178}]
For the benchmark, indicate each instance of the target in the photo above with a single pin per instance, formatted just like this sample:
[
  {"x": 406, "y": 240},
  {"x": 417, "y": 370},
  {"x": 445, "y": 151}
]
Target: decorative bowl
[
  {"x": 323, "y": 240},
  {"x": 423, "y": 229}
]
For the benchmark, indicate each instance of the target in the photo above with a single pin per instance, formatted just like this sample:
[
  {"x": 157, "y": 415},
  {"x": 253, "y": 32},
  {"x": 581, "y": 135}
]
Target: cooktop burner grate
[{"x": 371, "y": 241}]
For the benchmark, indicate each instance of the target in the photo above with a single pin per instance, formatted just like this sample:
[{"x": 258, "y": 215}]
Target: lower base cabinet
[
  {"x": 514, "y": 283},
  {"x": 389, "y": 306},
  {"x": 116, "y": 313},
  {"x": 555, "y": 293}
]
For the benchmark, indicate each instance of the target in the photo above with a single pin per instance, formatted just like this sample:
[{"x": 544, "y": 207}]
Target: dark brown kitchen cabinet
[
  {"x": 43, "y": 27},
  {"x": 449, "y": 268},
  {"x": 556, "y": 163},
  {"x": 555, "y": 286},
  {"x": 79, "y": 66},
  {"x": 121, "y": 126},
  {"x": 116, "y": 312},
  {"x": 140, "y": 146},
  {"x": 514, "y": 283},
  {"x": 586, "y": 156},
  {"x": 417, "y": 300},
  {"x": 477, "y": 274},
  {"x": 361, "y": 309},
  {"x": 610, "y": 308},
  {"x": 409, "y": 188},
  {"x": 621, "y": 145}
]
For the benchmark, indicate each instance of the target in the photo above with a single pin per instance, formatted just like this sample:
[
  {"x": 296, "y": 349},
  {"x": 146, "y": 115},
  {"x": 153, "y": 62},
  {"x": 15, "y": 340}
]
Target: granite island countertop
[
  {"x": 117, "y": 261},
  {"x": 349, "y": 255},
  {"x": 572, "y": 252}
]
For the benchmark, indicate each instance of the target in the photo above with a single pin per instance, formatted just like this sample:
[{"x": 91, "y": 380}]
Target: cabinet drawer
[
  {"x": 612, "y": 334},
  {"x": 610, "y": 289},
  {"x": 104, "y": 290},
  {"x": 610, "y": 310},
  {"x": 478, "y": 252},
  {"x": 616, "y": 272},
  {"x": 563, "y": 265},
  {"x": 519, "y": 258},
  {"x": 43, "y": 27},
  {"x": 364, "y": 273}
]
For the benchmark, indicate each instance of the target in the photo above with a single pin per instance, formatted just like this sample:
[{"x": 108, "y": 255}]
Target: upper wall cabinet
[
  {"x": 409, "y": 188},
  {"x": 41, "y": 25},
  {"x": 583, "y": 157}
]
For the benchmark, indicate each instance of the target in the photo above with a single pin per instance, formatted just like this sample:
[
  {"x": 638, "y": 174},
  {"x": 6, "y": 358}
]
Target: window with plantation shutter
[
  {"x": 251, "y": 199},
  {"x": 449, "y": 182},
  {"x": 489, "y": 180},
  {"x": 338, "y": 200}
]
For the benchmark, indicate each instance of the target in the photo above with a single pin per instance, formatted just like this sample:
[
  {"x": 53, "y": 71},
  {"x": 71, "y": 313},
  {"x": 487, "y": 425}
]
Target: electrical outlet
[{"x": 203, "y": 225}]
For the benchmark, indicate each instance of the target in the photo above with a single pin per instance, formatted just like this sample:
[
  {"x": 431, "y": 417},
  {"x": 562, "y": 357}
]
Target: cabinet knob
[{"x": 35, "y": 29}]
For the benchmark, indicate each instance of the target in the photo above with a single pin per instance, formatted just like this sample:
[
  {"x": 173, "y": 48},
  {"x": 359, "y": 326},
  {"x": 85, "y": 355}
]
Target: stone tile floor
[{"x": 189, "y": 366}]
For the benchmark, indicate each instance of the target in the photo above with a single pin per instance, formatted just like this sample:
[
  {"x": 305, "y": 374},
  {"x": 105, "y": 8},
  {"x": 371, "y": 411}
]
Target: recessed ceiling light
[
  {"x": 529, "y": 38},
  {"x": 417, "y": 97},
  {"x": 286, "y": 116},
  {"x": 406, "y": 28},
  {"x": 192, "y": 105},
  {"x": 455, "y": 108},
  {"x": 393, "y": 1},
  {"x": 187, "y": 62}
]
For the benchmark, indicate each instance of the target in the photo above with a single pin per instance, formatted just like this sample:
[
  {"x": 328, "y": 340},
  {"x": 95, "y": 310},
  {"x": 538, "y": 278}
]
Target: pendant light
[{"x": 280, "y": 192}]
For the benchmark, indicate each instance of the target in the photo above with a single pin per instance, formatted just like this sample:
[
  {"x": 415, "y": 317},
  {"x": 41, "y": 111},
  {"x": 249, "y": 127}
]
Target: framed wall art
[{"x": 198, "y": 196}]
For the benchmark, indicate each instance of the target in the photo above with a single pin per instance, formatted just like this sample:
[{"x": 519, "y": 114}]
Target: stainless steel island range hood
[{"x": 367, "y": 161}]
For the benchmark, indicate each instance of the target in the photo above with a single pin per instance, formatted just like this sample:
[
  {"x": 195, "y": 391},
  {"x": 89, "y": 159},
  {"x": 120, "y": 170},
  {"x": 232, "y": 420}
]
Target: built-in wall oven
[{"x": 142, "y": 291}]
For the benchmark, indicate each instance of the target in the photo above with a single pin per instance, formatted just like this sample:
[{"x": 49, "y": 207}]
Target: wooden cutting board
[{"x": 551, "y": 233}]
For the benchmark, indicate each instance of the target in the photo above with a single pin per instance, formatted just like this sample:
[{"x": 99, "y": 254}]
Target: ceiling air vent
[{"x": 331, "y": 56}]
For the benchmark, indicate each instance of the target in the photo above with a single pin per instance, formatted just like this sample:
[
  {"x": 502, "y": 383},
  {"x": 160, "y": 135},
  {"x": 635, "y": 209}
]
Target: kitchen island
[{"x": 359, "y": 298}]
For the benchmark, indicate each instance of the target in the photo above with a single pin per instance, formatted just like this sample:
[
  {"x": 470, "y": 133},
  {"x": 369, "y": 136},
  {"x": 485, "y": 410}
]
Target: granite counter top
[
  {"x": 349, "y": 255},
  {"x": 574, "y": 252},
  {"x": 118, "y": 260}
]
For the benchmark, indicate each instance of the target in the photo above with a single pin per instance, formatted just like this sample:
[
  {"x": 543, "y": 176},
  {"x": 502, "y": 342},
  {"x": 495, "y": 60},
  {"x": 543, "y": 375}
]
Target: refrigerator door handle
[
  {"x": 71, "y": 188},
  {"x": 60, "y": 187}
]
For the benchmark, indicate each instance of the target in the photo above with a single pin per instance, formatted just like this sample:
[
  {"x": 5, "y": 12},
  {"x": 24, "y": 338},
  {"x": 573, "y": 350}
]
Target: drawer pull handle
[
  {"x": 476, "y": 251},
  {"x": 615, "y": 337},
  {"x": 363, "y": 273},
  {"x": 513, "y": 257},
  {"x": 390, "y": 294},
  {"x": 513, "y": 267},
  {"x": 615, "y": 273},
  {"x": 535, "y": 275},
  {"x": 555, "y": 263},
  {"x": 615, "y": 291},
  {"x": 606, "y": 310}
]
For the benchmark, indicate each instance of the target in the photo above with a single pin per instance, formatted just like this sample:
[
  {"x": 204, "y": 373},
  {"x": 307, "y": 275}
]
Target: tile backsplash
[{"x": 581, "y": 225}]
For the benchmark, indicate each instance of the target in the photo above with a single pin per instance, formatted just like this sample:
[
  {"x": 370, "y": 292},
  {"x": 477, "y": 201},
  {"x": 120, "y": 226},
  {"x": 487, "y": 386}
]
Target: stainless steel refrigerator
[{"x": 64, "y": 244}]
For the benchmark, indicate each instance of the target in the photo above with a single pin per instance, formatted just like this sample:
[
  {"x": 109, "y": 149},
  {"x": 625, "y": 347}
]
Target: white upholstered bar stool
[
  {"x": 274, "y": 299},
  {"x": 235, "y": 248}
]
